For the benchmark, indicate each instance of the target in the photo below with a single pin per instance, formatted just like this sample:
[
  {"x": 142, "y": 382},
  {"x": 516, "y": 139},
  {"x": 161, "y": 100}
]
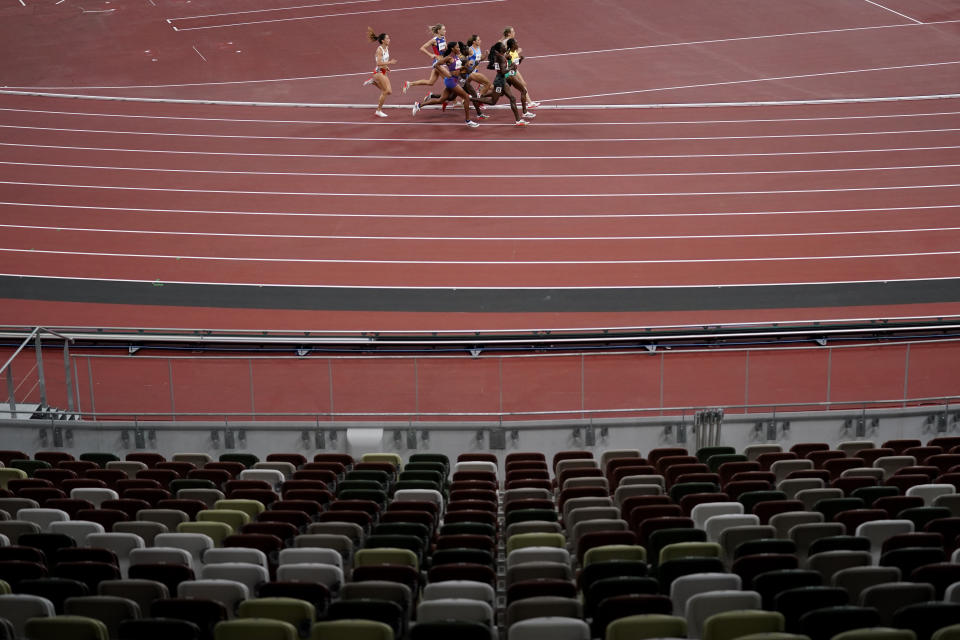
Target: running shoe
[
  {"x": 472, "y": 124},
  {"x": 443, "y": 107},
  {"x": 527, "y": 114},
  {"x": 521, "y": 123},
  {"x": 406, "y": 85},
  {"x": 380, "y": 114},
  {"x": 416, "y": 108},
  {"x": 482, "y": 116},
  {"x": 368, "y": 81},
  {"x": 533, "y": 105}
]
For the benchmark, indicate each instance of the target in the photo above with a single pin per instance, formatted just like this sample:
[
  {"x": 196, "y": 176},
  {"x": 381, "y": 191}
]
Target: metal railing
[
  {"x": 76, "y": 393},
  {"x": 41, "y": 381}
]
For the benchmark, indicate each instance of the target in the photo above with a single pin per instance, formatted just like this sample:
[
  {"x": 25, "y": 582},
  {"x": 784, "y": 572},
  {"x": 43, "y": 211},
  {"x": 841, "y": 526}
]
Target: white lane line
[
  {"x": 877, "y": 4},
  {"x": 532, "y": 287},
  {"x": 486, "y": 124},
  {"x": 367, "y": 194},
  {"x": 335, "y": 15},
  {"x": 550, "y": 55},
  {"x": 460, "y": 140},
  {"x": 99, "y": 254},
  {"x": 199, "y": 54},
  {"x": 751, "y": 80},
  {"x": 495, "y": 176},
  {"x": 493, "y": 216},
  {"x": 22, "y": 3},
  {"x": 152, "y": 3},
  {"x": 302, "y": 6},
  {"x": 497, "y": 159},
  {"x": 279, "y": 236}
]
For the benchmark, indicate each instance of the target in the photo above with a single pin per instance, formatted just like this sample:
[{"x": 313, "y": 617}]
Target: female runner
[
  {"x": 498, "y": 62},
  {"x": 433, "y": 48},
  {"x": 513, "y": 59},
  {"x": 451, "y": 67},
  {"x": 474, "y": 57},
  {"x": 383, "y": 62},
  {"x": 510, "y": 32}
]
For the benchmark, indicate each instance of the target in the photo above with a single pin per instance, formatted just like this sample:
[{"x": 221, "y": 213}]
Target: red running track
[{"x": 326, "y": 198}]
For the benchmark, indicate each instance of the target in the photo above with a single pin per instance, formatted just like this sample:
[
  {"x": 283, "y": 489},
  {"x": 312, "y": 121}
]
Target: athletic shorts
[{"x": 450, "y": 83}]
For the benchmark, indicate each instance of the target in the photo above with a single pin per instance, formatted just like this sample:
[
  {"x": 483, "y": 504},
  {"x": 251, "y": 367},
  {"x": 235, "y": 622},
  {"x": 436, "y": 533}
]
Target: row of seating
[{"x": 573, "y": 512}]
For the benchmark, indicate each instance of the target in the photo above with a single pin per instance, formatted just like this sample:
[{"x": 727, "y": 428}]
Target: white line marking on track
[
  {"x": 446, "y": 288},
  {"x": 458, "y": 140},
  {"x": 481, "y": 195},
  {"x": 477, "y": 262},
  {"x": 493, "y": 216},
  {"x": 497, "y": 159},
  {"x": 486, "y": 124},
  {"x": 22, "y": 3},
  {"x": 337, "y": 15},
  {"x": 279, "y": 236},
  {"x": 877, "y": 4},
  {"x": 199, "y": 54},
  {"x": 751, "y": 80},
  {"x": 575, "y": 107},
  {"x": 500, "y": 176},
  {"x": 738, "y": 39},
  {"x": 302, "y": 6},
  {"x": 549, "y": 55}
]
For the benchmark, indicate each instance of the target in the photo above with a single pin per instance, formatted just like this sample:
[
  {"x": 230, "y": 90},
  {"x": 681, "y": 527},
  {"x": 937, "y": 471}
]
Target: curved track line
[
  {"x": 486, "y": 238},
  {"x": 751, "y": 80},
  {"x": 497, "y": 159},
  {"x": 492, "y": 216},
  {"x": 486, "y": 124},
  {"x": 549, "y": 55},
  {"x": 476, "y": 176},
  {"x": 481, "y": 195},
  {"x": 302, "y": 6},
  {"x": 329, "y": 15},
  {"x": 496, "y": 288},
  {"x": 254, "y": 103},
  {"x": 476, "y": 262},
  {"x": 477, "y": 140}
]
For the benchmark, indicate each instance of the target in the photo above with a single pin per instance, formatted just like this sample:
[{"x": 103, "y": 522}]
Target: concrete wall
[{"x": 453, "y": 438}]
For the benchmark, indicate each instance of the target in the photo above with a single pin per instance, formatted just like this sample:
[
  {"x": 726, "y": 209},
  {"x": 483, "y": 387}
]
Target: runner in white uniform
[{"x": 382, "y": 61}]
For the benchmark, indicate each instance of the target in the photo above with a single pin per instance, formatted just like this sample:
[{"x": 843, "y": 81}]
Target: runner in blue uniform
[
  {"x": 433, "y": 48},
  {"x": 474, "y": 58},
  {"x": 452, "y": 68}
]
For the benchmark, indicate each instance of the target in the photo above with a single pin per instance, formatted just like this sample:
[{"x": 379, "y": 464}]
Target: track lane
[
  {"x": 587, "y": 227},
  {"x": 832, "y": 200},
  {"x": 458, "y": 275}
]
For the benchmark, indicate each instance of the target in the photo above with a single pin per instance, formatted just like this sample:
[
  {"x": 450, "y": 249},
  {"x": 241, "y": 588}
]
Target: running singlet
[
  {"x": 377, "y": 57},
  {"x": 511, "y": 70},
  {"x": 439, "y": 45},
  {"x": 454, "y": 67},
  {"x": 474, "y": 60}
]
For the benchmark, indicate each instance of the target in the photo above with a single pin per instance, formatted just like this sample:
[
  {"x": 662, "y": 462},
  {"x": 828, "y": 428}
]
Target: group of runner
[{"x": 458, "y": 64}]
